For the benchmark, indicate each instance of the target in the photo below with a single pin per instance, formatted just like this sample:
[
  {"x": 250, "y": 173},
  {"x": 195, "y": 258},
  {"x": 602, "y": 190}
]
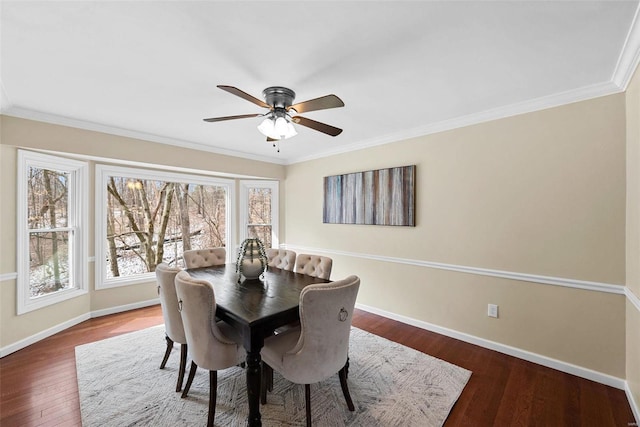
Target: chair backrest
[
  {"x": 165, "y": 276},
  {"x": 196, "y": 258},
  {"x": 208, "y": 346},
  {"x": 314, "y": 265},
  {"x": 281, "y": 258},
  {"x": 326, "y": 312}
]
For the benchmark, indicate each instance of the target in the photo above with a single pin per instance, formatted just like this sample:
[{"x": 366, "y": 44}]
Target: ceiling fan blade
[
  {"x": 221, "y": 119},
  {"x": 322, "y": 103},
  {"x": 321, "y": 127},
  {"x": 244, "y": 95}
]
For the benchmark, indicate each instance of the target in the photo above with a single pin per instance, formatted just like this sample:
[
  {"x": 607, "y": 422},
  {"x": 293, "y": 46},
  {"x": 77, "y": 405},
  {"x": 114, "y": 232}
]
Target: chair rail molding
[
  {"x": 8, "y": 276},
  {"x": 633, "y": 298},
  {"x": 526, "y": 277}
]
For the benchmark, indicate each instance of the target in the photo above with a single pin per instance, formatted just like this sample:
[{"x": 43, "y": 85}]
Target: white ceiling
[{"x": 149, "y": 69}]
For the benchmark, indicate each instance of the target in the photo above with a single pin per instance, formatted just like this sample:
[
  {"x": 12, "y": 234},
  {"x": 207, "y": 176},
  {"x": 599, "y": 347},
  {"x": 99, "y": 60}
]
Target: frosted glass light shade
[
  {"x": 267, "y": 127},
  {"x": 279, "y": 128}
]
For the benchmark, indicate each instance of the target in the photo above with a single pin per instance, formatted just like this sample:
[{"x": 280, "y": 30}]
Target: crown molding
[
  {"x": 24, "y": 113},
  {"x": 536, "y": 104},
  {"x": 629, "y": 56},
  {"x": 5, "y": 102}
]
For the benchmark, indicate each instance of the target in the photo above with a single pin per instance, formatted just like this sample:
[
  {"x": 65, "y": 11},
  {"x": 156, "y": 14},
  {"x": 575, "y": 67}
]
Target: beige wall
[
  {"x": 633, "y": 235},
  {"x": 20, "y": 133},
  {"x": 541, "y": 193}
]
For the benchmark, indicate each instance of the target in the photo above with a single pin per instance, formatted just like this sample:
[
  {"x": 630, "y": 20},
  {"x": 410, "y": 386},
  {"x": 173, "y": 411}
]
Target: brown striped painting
[{"x": 377, "y": 197}]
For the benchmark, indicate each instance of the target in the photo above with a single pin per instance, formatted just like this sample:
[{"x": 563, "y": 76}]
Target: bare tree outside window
[
  {"x": 51, "y": 238},
  {"x": 49, "y": 231},
  {"x": 259, "y": 223},
  {"x": 154, "y": 221}
]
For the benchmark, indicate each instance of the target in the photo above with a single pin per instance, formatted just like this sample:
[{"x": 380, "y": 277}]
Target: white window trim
[
  {"x": 245, "y": 185},
  {"x": 103, "y": 172},
  {"x": 78, "y": 203}
]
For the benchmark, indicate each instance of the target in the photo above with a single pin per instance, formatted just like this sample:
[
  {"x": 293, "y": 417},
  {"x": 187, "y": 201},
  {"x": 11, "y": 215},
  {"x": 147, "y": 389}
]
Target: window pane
[
  {"x": 48, "y": 263},
  {"x": 262, "y": 232},
  {"x": 47, "y": 198},
  {"x": 52, "y": 241},
  {"x": 153, "y": 221},
  {"x": 259, "y": 206}
]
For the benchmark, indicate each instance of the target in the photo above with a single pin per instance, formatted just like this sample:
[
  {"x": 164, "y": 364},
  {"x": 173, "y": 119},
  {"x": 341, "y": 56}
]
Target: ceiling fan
[{"x": 277, "y": 124}]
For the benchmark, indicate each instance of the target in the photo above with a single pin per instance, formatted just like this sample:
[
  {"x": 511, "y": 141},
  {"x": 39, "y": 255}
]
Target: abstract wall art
[{"x": 376, "y": 197}]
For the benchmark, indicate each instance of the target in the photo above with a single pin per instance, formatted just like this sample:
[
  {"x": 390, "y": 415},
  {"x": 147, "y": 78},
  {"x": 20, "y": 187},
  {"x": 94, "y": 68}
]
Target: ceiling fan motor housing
[{"x": 279, "y": 97}]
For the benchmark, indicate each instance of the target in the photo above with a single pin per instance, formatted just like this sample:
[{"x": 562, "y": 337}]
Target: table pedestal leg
[{"x": 253, "y": 387}]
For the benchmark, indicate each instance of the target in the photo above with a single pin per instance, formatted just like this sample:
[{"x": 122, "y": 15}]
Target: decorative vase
[{"x": 252, "y": 259}]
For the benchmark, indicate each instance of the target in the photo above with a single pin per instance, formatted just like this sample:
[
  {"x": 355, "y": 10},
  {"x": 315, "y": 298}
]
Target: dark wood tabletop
[{"x": 255, "y": 308}]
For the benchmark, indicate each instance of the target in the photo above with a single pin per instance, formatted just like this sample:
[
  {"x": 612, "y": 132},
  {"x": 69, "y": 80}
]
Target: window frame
[
  {"x": 104, "y": 171},
  {"x": 274, "y": 185},
  {"x": 77, "y": 225}
]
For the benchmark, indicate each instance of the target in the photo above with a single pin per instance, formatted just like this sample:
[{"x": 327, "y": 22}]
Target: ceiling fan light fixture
[
  {"x": 267, "y": 127},
  {"x": 283, "y": 113},
  {"x": 277, "y": 127},
  {"x": 283, "y": 128},
  {"x": 291, "y": 131}
]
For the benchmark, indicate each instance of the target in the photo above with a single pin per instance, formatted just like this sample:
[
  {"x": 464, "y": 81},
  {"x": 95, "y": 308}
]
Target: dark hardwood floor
[{"x": 38, "y": 384}]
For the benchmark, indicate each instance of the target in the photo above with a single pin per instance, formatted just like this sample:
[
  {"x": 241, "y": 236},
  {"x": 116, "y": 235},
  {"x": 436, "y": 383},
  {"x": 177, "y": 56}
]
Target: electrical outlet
[{"x": 492, "y": 310}]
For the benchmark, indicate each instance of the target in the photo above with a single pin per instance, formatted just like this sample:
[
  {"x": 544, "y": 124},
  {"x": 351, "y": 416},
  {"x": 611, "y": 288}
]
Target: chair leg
[
  {"x": 192, "y": 373},
  {"x": 346, "y": 368},
  {"x": 269, "y": 378},
  {"x": 307, "y": 401},
  {"x": 167, "y": 352},
  {"x": 345, "y": 388},
  {"x": 263, "y": 384},
  {"x": 266, "y": 383},
  {"x": 183, "y": 365},
  {"x": 213, "y": 395}
]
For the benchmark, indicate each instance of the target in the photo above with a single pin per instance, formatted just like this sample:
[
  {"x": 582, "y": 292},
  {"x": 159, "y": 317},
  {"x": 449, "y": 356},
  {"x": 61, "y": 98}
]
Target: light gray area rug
[{"x": 391, "y": 385}]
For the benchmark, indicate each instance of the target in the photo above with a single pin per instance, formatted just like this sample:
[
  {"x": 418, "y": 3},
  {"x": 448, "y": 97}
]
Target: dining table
[{"x": 255, "y": 309}]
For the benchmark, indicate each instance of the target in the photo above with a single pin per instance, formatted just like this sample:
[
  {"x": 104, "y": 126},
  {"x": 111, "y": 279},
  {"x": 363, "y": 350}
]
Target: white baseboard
[
  {"x": 632, "y": 403},
  {"x": 559, "y": 365},
  {"x": 72, "y": 322},
  {"x": 43, "y": 334},
  {"x": 126, "y": 307}
]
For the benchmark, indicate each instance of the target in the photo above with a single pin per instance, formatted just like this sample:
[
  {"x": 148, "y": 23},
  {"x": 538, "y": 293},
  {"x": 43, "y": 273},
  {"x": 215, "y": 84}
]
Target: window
[
  {"x": 52, "y": 241},
  {"x": 148, "y": 217},
  {"x": 259, "y": 211}
]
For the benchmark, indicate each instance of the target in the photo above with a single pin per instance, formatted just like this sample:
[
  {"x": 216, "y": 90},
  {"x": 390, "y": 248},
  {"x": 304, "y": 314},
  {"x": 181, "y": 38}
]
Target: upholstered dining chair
[
  {"x": 319, "y": 347},
  {"x": 196, "y": 258},
  {"x": 212, "y": 345},
  {"x": 281, "y": 258},
  {"x": 314, "y": 265},
  {"x": 174, "y": 330}
]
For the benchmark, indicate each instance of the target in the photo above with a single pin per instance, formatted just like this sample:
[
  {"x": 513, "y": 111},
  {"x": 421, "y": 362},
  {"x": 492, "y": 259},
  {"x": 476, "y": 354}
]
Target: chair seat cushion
[
  {"x": 229, "y": 332},
  {"x": 276, "y": 346}
]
